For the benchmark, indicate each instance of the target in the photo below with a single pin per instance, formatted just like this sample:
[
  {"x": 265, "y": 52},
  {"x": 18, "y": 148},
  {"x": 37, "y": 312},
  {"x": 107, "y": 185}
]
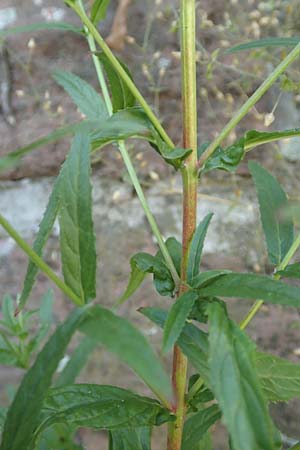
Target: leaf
[
  {"x": 136, "y": 278},
  {"x": 44, "y": 231},
  {"x": 173, "y": 156},
  {"x": 98, "y": 11},
  {"x": 254, "y": 138},
  {"x": 204, "y": 278},
  {"x": 174, "y": 248},
  {"x": 192, "y": 341},
  {"x": 196, "y": 247},
  {"x": 279, "y": 378},
  {"x": 76, "y": 362},
  {"x": 53, "y": 437},
  {"x": 129, "y": 439},
  {"x": 3, "y": 412},
  {"x": 83, "y": 95},
  {"x": 12, "y": 159},
  {"x": 176, "y": 156},
  {"x": 23, "y": 414},
  {"x": 279, "y": 233},
  {"x": 77, "y": 240},
  {"x": 291, "y": 271},
  {"x": 264, "y": 43},
  {"x": 7, "y": 310},
  {"x": 122, "y": 125},
  {"x": 101, "y": 407},
  {"x": 205, "y": 443},
  {"x": 120, "y": 337},
  {"x": 59, "y": 26},
  {"x": 227, "y": 159},
  {"x": 176, "y": 319},
  {"x": 197, "y": 425},
  {"x": 143, "y": 263},
  {"x": 236, "y": 386},
  {"x": 252, "y": 286},
  {"x": 121, "y": 95},
  {"x": 295, "y": 447},
  {"x": 45, "y": 311}
]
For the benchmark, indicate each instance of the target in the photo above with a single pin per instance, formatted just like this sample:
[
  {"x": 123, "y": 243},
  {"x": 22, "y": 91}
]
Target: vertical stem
[{"x": 190, "y": 182}]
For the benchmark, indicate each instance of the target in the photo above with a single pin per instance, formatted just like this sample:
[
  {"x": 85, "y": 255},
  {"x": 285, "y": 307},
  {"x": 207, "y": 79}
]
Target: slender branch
[
  {"x": 289, "y": 59},
  {"x": 39, "y": 262},
  {"x": 127, "y": 160},
  {"x": 190, "y": 182},
  {"x": 122, "y": 73},
  {"x": 258, "y": 304}
]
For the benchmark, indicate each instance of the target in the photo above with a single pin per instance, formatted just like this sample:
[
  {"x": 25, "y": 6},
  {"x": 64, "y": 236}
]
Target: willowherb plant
[{"x": 233, "y": 381}]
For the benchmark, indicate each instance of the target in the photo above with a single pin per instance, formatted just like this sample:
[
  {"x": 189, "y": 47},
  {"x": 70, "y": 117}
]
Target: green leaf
[
  {"x": 12, "y": 159},
  {"x": 76, "y": 362},
  {"x": 7, "y": 310},
  {"x": 46, "y": 308},
  {"x": 58, "y": 26},
  {"x": 44, "y": 231},
  {"x": 279, "y": 233},
  {"x": 101, "y": 407},
  {"x": 227, "y": 159},
  {"x": 121, "y": 95},
  {"x": 199, "y": 311},
  {"x": 77, "y": 240},
  {"x": 176, "y": 156},
  {"x": 98, "y": 11},
  {"x": 136, "y": 278},
  {"x": 205, "y": 443},
  {"x": 252, "y": 286},
  {"x": 204, "y": 278},
  {"x": 122, "y": 125},
  {"x": 173, "y": 156},
  {"x": 197, "y": 425},
  {"x": 196, "y": 247},
  {"x": 143, "y": 263},
  {"x": 83, "y": 95},
  {"x": 53, "y": 437},
  {"x": 236, "y": 386},
  {"x": 176, "y": 319},
  {"x": 291, "y": 271},
  {"x": 3, "y": 412},
  {"x": 174, "y": 248},
  {"x": 23, "y": 414},
  {"x": 254, "y": 138},
  {"x": 120, "y": 337},
  {"x": 129, "y": 439},
  {"x": 264, "y": 43},
  {"x": 279, "y": 378},
  {"x": 295, "y": 447},
  {"x": 192, "y": 341}
]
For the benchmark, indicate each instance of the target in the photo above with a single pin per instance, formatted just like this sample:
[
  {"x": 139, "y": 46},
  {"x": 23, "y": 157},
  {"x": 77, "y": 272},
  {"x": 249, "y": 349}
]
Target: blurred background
[{"x": 145, "y": 35}]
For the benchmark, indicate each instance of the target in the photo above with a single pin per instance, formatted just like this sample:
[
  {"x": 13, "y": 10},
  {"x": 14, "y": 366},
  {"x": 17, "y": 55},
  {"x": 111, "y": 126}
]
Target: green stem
[
  {"x": 190, "y": 183},
  {"x": 258, "y": 304},
  {"x": 289, "y": 59},
  {"x": 121, "y": 72},
  {"x": 127, "y": 160},
  {"x": 39, "y": 262}
]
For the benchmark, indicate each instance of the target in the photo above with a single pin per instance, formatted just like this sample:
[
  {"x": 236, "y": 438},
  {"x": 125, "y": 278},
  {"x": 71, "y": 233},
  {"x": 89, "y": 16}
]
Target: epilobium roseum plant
[{"x": 233, "y": 382}]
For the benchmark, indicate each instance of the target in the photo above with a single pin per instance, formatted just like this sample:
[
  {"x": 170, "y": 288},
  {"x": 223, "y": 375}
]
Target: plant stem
[
  {"x": 258, "y": 304},
  {"x": 190, "y": 182},
  {"x": 290, "y": 58},
  {"x": 121, "y": 72},
  {"x": 127, "y": 160},
  {"x": 39, "y": 262}
]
